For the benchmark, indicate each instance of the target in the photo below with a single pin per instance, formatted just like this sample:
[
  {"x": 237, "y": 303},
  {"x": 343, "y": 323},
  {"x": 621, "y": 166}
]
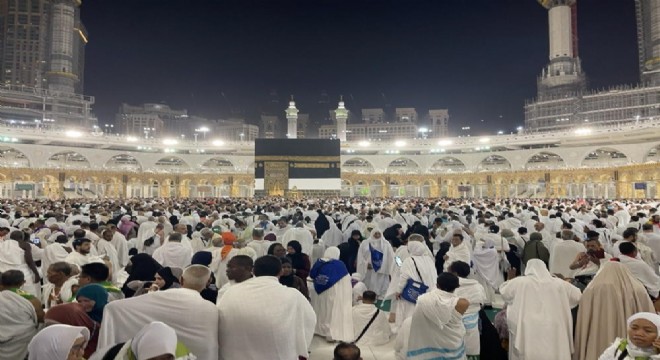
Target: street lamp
[
  {"x": 147, "y": 130},
  {"x": 203, "y": 130},
  {"x": 242, "y": 135},
  {"x": 108, "y": 128},
  {"x": 423, "y": 131}
]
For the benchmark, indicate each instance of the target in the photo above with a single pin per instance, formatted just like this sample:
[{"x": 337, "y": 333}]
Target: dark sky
[{"x": 478, "y": 58}]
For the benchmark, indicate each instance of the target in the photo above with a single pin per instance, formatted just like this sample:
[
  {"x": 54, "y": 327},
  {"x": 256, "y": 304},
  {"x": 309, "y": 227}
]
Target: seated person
[{"x": 366, "y": 330}]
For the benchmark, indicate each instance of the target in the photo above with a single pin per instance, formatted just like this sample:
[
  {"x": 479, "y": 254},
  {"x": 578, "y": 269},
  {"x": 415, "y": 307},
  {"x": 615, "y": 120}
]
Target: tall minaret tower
[
  {"x": 61, "y": 74},
  {"x": 563, "y": 75},
  {"x": 292, "y": 120},
  {"x": 648, "y": 30},
  {"x": 341, "y": 114}
]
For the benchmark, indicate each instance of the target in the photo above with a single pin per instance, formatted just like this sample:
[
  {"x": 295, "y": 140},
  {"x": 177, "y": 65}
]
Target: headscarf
[
  {"x": 331, "y": 253},
  {"x": 125, "y": 225},
  {"x": 55, "y": 342},
  {"x": 356, "y": 278},
  {"x": 321, "y": 224},
  {"x": 155, "y": 339},
  {"x": 228, "y": 239},
  {"x": 271, "y": 248},
  {"x": 298, "y": 259},
  {"x": 287, "y": 280},
  {"x": 168, "y": 276},
  {"x": 635, "y": 351},
  {"x": 99, "y": 295},
  {"x": 270, "y": 237},
  {"x": 73, "y": 314},
  {"x": 537, "y": 268},
  {"x": 602, "y": 307},
  {"x": 143, "y": 268},
  {"x": 202, "y": 258},
  {"x": 416, "y": 248}
]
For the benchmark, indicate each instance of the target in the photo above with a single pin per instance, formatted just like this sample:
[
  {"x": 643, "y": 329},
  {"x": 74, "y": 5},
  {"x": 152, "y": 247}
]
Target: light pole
[
  {"x": 202, "y": 130},
  {"x": 108, "y": 128},
  {"x": 147, "y": 130},
  {"x": 242, "y": 135}
]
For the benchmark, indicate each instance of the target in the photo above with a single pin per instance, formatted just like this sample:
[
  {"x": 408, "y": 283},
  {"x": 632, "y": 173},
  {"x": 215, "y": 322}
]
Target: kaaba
[{"x": 297, "y": 167}]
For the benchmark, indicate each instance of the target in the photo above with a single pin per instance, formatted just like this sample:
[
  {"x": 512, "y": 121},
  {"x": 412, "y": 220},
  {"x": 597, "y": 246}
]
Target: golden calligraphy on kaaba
[{"x": 276, "y": 177}]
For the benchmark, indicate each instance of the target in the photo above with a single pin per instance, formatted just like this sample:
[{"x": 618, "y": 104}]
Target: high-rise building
[
  {"x": 303, "y": 124},
  {"x": 563, "y": 101},
  {"x": 43, "y": 43},
  {"x": 269, "y": 125},
  {"x": 563, "y": 75},
  {"x": 439, "y": 126},
  {"x": 42, "y": 49},
  {"x": 376, "y": 126},
  {"x": 648, "y": 34},
  {"x": 153, "y": 120},
  {"x": 235, "y": 130}
]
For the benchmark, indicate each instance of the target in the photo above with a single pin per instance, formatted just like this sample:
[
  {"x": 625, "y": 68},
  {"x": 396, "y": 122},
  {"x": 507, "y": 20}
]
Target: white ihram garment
[
  {"x": 539, "y": 314},
  {"x": 194, "y": 319},
  {"x": 249, "y": 330}
]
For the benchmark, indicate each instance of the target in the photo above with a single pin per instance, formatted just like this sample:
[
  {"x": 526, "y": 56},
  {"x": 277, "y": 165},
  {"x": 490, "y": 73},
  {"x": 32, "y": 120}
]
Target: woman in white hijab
[
  {"x": 155, "y": 341},
  {"x": 642, "y": 341},
  {"x": 59, "y": 342},
  {"x": 416, "y": 266},
  {"x": 485, "y": 261}
]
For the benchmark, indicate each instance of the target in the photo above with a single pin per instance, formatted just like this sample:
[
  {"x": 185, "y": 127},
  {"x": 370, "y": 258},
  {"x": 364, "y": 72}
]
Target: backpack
[{"x": 535, "y": 250}]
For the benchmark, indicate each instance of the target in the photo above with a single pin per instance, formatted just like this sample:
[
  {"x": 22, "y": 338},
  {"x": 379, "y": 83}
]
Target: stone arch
[
  {"x": 171, "y": 163},
  {"x": 604, "y": 157},
  {"x": 68, "y": 160},
  {"x": 11, "y": 157},
  {"x": 402, "y": 165},
  {"x": 545, "y": 160},
  {"x": 123, "y": 162},
  {"x": 494, "y": 163},
  {"x": 358, "y": 165},
  {"x": 377, "y": 188},
  {"x": 448, "y": 164},
  {"x": 218, "y": 165},
  {"x": 653, "y": 154}
]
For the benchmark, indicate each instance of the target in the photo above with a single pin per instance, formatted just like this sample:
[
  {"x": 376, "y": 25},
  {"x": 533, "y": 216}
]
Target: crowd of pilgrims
[{"x": 256, "y": 279}]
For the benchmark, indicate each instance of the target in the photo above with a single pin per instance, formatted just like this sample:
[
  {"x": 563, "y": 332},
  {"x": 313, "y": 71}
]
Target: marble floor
[{"x": 323, "y": 350}]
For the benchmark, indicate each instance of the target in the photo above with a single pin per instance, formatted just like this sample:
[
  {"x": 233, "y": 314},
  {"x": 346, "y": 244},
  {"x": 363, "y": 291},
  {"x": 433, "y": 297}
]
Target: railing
[{"x": 86, "y": 136}]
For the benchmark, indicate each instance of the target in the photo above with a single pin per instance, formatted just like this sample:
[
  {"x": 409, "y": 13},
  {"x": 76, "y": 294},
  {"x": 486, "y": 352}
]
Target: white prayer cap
[
  {"x": 55, "y": 342},
  {"x": 654, "y": 318},
  {"x": 357, "y": 276},
  {"x": 155, "y": 339}
]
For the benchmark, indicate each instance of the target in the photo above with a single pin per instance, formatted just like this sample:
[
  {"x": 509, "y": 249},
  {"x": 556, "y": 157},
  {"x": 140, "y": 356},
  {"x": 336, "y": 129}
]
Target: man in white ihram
[
  {"x": 194, "y": 319},
  {"x": 539, "y": 314},
  {"x": 173, "y": 253},
  {"x": 251, "y": 331}
]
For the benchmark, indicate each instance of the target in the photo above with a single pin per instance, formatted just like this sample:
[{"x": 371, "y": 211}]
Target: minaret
[
  {"x": 292, "y": 120},
  {"x": 648, "y": 32},
  {"x": 563, "y": 75},
  {"x": 342, "y": 115},
  {"x": 61, "y": 74}
]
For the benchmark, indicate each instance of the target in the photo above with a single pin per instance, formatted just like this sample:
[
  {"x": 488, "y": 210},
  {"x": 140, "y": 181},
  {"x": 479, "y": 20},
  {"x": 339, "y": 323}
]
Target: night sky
[{"x": 221, "y": 58}]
